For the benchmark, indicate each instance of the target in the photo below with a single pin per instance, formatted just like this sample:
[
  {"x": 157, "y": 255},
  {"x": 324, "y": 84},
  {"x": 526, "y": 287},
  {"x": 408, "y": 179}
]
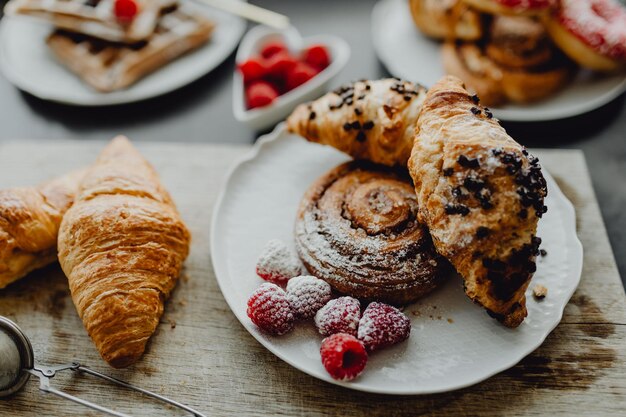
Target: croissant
[
  {"x": 481, "y": 194},
  {"x": 29, "y": 223},
  {"x": 122, "y": 246},
  {"x": 371, "y": 120}
]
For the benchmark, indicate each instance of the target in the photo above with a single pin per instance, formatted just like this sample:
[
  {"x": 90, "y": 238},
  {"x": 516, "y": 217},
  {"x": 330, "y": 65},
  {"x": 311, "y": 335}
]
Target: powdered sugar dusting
[
  {"x": 601, "y": 24},
  {"x": 270, "y": 310},
  {"x": 277, "y": 263},
  {"x": 307, "y": 295},
  {"x": 340, "y": 315},
  {"x": 383, "y": 325},
  {"x": 359, "y": 232}
]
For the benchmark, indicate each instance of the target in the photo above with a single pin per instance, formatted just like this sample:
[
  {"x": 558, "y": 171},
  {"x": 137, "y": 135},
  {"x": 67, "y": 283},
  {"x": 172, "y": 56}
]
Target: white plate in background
[
  {"x": 259, "y": 202},
  {"x": 28, "y": 64},
  {"x": 408, "y": 54}
]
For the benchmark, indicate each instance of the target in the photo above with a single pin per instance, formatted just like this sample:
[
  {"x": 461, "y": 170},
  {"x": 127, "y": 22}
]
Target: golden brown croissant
[
  {"x": 481, "y": 195},
  {"x": 29, "y": 224},
  {"x": 122, "y": 246},
  {"x": 371, "y": 120}
]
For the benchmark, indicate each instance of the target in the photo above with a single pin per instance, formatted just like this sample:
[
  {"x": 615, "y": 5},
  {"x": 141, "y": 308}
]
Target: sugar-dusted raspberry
[
  {"x": 277, "y": 263},
  {"x": 383, "y": 325},
  {"x": 307, "y": 295},
  {"x": 343, "y": 356},
  {"x": 340, "y": 315},
  {"x": 269, "y": 309}
]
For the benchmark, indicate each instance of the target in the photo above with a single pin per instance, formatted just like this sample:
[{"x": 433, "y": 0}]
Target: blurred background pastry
[
  {"x": 527, "y": 50},
  {"x": 591, "y": 32},
  {"x": 512, "y": 7},
  {"x": 112, "y": 44},
  {"x": 445, "y": 19},
  {"x": 516, "y": 63}
]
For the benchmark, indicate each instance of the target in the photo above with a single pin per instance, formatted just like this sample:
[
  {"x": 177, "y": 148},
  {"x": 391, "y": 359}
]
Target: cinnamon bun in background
[
  {"x": 357, "y": 229},
  {"x": 446, "y": 19},
  {"x": 517, "y": 63}
]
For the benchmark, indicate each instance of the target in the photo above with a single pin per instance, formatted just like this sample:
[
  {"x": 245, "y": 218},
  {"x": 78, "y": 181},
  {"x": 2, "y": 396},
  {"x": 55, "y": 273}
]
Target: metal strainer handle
[{"x": 10, "y": 332}]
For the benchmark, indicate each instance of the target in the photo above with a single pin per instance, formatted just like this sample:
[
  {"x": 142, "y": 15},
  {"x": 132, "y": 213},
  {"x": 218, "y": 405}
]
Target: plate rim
[
  {"x": 106, "y": 100},
  {"x": 588, "y": 105},
  {"x": 219, "y": 267}
]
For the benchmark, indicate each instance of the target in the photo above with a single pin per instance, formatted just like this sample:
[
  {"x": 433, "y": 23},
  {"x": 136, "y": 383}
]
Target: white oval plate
[
  {"x": 265, "y": 117},
  {"x": 259, "y": 202},
  {"x": 408, "y": 54},
  {"x": 28, "y": 64}
]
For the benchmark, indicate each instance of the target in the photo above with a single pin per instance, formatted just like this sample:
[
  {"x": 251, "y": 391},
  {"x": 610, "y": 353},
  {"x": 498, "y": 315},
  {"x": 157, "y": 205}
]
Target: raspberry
[
  {"x": 307, "y": 295},
  {"x": 340, "y": 315},
  {"x": 272, "y": 48},
  {"x": 383, "y": 325},
  {"x": 300, "y": 74},
  {"x": 343, "y": 356},
  {"x": 260, "y": 94},
  {"x": 125, "y": 10},
  {"x": 252, "y": 70},
  {"x": 279, "y": 65},
  {"x": 269, "y": 309},
  {"x": 317, "y": 56},
  {"x": 277, "y": 264}
]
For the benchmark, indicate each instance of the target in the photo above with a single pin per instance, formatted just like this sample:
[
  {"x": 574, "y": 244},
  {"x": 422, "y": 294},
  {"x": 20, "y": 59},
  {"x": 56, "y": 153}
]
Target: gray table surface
[{"x": 201, "y": 112}]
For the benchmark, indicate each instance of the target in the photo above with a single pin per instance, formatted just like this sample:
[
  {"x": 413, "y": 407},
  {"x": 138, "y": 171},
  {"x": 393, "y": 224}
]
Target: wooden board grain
[{"x": 202, "y": 356}]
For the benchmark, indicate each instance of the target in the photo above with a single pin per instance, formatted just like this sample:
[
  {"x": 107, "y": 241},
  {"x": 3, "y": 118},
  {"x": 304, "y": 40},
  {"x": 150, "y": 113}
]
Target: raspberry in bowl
[{"x": 277, "y": 70}]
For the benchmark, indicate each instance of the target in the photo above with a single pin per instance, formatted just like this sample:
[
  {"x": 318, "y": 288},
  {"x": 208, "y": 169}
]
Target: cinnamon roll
[
  {"x": 356, "y": 229},
  {"x": 518, "y": 63},
  {"x": 446, "y": 19}
]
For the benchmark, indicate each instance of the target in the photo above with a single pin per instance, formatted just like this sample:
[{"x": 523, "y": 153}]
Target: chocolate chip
[
  {"x": 475, "y": 98},
  {"x": 458, "y": 193},
  {"x": 312, "y": 115},
  {"x": 482, "y": 232},
  {"x": 347, "y": 127},
  {"x": 407, "y": 98},
  {"x": 368, "y": 125},
  {"x": 486, "y": 204},
  {"x": 457, "y": 209},
  {"x": 494, "y": 264},
  {"x": 358, "y": 111},
  {"x": 475, "y": 110},
  {"x": 464, "y": 161},
  {"x": 543, "y": 252},
  {"x": 522, "y": 214},
  {"x": 356, "y": 125},
  {"x": 473, "y": 184},
  {"x": 447, "y": 172},
  {"x": 361, "y": 137}
]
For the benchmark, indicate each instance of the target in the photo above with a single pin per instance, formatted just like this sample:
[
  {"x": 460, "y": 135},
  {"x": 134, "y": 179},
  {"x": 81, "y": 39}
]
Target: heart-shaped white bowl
[{"x": 264, "y": 117}]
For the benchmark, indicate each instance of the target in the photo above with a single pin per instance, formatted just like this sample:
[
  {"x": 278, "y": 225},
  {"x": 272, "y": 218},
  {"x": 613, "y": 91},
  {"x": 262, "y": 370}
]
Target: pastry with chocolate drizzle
[
  {"x": 371, "y": 120},
  {"x": 481, "y": 194},
  {"x": 357, "y": 229}
]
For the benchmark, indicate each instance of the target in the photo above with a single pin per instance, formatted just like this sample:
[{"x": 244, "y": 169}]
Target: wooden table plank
[{"x": 203, "y": 356}]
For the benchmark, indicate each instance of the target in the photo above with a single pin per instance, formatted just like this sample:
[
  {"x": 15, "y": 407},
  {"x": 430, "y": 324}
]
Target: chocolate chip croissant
[
  {"x": 29, "y": 223},
  {"x": 122, "y": 246},
  {"x": 481, "y": 194},
  {"x": 371, "y": 120}
]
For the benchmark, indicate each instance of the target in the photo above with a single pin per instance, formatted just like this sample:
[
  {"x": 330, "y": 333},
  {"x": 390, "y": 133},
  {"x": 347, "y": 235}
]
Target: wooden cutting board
[{"x": 203, "y": 357}]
